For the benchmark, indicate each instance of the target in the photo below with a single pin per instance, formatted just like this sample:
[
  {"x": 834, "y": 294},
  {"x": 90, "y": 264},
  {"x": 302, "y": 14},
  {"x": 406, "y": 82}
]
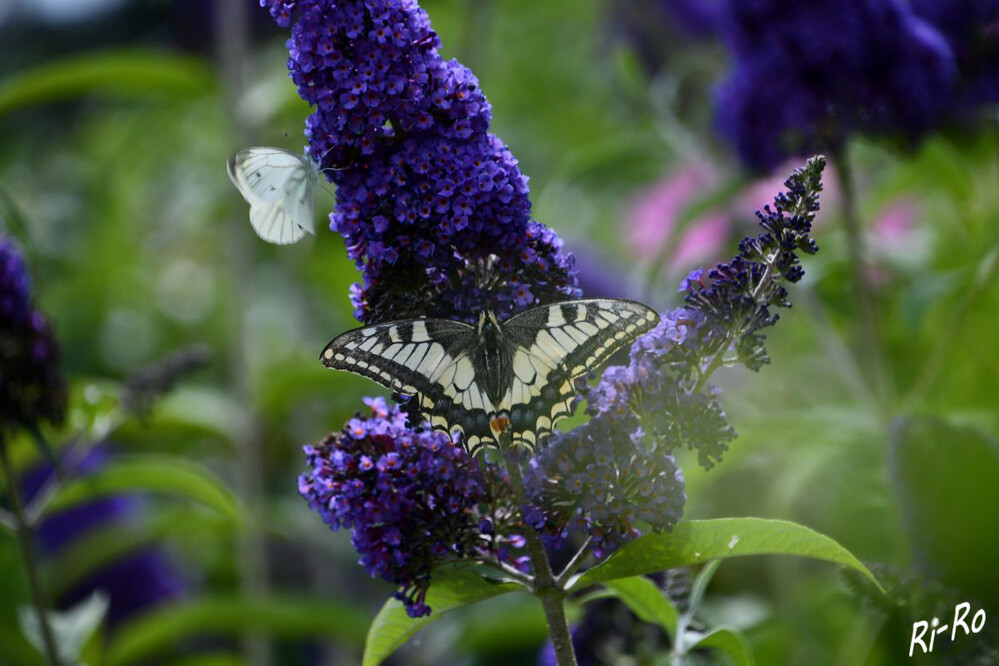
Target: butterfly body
[
  {"x": 484, "y": 379},
  {"x": 280, "y": 187},
  {"x": 492, "y": 360}
]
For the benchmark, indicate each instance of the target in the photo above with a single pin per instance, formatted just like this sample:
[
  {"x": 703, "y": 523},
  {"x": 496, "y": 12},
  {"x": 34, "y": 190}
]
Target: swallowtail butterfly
[{"x": 484, "y": 379}]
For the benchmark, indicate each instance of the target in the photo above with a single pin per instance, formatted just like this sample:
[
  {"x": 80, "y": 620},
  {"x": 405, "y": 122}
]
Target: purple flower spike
[
  {"x": 432, "y": 207},
  {"x": 31, "y": 385}
]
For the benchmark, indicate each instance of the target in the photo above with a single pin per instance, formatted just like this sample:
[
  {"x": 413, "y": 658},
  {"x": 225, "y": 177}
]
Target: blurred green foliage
[{"x": 111, "y": 177}]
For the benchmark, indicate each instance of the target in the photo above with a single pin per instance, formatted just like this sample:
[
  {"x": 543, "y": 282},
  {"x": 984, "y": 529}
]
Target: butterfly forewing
[
  {"x": 554, "y": 345},
  {"x": 429, "y": 359},
  {"x": 280, "y": 188}
]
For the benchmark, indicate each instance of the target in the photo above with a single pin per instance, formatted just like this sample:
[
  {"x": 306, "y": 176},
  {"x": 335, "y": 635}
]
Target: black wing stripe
[{"x": 561, "y": 342}]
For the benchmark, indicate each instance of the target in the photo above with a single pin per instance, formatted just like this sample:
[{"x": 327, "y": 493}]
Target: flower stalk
[
  {"x": 25, "y": 537},
  {"x": 546, "y": 588},
  {"x": 870, "y": 347}
]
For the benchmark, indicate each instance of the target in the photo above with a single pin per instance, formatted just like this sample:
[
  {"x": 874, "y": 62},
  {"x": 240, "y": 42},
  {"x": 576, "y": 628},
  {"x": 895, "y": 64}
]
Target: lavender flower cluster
[
  {"x": 410, "y": 498},
  {"x": 617, "y": 471},
  {"x": 807, "y": 75},
  {"x": 32, "y": 389},
  {"x": 600, "y": 480},
  {"x": 433, "y": 208}
]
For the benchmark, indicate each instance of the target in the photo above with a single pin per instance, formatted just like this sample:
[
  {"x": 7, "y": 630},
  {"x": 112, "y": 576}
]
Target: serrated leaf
[
  {"x": 646, "y": 601},
  {"x": 448, "y": 590},
  {"x": 120, "y": 73},
  {"x": 698, "y": 541},
  {"x": 158, "y": 631},
  {"x": 148, "y": 473},
  {"x": 730, "y": 642}
]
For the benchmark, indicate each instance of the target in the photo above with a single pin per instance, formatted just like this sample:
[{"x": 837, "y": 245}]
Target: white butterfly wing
[{"x": 280, "y": 188}]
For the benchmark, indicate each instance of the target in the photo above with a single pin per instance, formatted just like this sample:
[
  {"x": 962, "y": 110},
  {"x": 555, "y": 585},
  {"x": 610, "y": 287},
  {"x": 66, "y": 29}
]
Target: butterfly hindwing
[
  {"x": 280, "y": 188},
  {"x": 429, "y": 359},
  {"x": 554, "y": 345}
]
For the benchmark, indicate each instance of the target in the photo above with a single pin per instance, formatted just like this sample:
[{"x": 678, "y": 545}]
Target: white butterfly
[{"x": 280, "y": 187}]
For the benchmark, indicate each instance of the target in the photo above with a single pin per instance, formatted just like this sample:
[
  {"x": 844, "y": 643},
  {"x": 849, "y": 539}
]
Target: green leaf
[
  {"x": 17, "y": 649},
  {"x": 159, "y": 631},
  {"x": 730, "y": 642},
  {"x": 503, "y": 625},
  {"x": 71, "y": 629},
  {"x": 111, "y": 541},
  {"x": 121, "y": 73},
  {"x": 448, "y": 590},
  {"x": 698, "y": 541},
  {"x": 645, "y": 600},
  {"x": 151, "y": 473},
  {"x": 945, "y": 477}
]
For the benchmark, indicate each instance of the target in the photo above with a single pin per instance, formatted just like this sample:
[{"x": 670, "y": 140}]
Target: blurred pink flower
[
  {"x": 898, "y": 244},
  {"x": 654, "y": 214},
  {"x": 896, "y": 223}
]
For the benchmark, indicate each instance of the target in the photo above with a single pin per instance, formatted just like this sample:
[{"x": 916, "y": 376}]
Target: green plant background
[{"x": 114, "y": 137}]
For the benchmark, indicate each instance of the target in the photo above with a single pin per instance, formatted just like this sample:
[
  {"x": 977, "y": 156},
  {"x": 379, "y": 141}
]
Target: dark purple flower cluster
[
  {"x": 663, "y": 393},
  {"x": 32, "y": 388},
  {"x": 738, "y": 295},
  {"x": 602, "y": 481},
  {"x": 410, "y": 498},
  {"x": 807, "y": 75},
  {"x": 136, "y": 581},
  {"x": 697, "y": 18},
  {"x": 971, "y": 27},
  {"x": 433, "y": 208}
]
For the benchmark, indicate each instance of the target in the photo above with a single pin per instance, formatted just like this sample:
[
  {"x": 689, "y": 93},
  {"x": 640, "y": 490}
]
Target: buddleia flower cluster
[
  {"x": 436, "y": 213},
  {"x": 32, "y": 389},
  {"x": 433, "y": 208},
  {"x": 970, "y": 28},
  {"x": 837, "y": 67},
  {"x": 411, "y": 498},
  {"x": 616, "y": 473}
]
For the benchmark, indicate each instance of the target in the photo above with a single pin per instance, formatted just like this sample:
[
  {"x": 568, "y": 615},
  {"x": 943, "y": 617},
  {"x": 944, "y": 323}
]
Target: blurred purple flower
[
  {"x": 696, "y": 18},
  {"x": 135, "y": 582},
  {"x": 31, "y": 385},
  {"x": 432, "y": 207},
  {"x": 971, "y": 27},
  {"x": 807, "y": 75}
]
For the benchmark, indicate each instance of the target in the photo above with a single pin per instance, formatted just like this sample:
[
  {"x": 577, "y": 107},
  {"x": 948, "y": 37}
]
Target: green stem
[
  {"x": 232, "y": 50},
  {"x": 679, "y": 652},
  {"x": 870, "y": 346},
  {"x": 25, "y": 538},
  {"x": 546, "y": 589}
]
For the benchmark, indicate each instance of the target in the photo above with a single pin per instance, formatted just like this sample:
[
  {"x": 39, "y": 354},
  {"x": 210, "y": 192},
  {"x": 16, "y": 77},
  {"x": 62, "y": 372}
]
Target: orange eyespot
[{"x": 500, "y": 424}]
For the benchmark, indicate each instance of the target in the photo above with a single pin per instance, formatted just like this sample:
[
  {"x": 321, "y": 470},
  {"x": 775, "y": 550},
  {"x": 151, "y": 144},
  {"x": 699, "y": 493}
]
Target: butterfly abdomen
[{"x": 492, "y": 359}]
